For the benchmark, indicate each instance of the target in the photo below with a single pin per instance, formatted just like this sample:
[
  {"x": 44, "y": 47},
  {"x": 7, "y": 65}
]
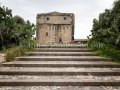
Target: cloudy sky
[{"x": 85, "y": 11}]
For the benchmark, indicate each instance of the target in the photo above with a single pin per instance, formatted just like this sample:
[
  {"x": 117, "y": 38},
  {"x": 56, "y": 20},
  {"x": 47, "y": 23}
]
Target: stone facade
[{"x": 51, "y": 25}]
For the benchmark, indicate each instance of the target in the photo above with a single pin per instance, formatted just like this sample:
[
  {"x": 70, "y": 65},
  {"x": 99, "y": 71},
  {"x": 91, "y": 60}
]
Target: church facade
[{"x": 50, "y": 26}]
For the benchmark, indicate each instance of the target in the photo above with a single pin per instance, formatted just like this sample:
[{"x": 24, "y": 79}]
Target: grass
[
  {"x": 108, "y": 51},
  {"x": 15, "y": 52}
]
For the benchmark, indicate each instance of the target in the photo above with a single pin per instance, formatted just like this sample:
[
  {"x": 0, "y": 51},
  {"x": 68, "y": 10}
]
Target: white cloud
[{"x": 85, "y": 10}]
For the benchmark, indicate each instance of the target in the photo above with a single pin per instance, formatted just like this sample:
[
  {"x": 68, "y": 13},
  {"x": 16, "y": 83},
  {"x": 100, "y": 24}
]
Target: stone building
[{"x": 51, "y": 25}]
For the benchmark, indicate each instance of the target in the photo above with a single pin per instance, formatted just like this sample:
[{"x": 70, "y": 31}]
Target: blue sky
[{"x": 85, "y": 11}]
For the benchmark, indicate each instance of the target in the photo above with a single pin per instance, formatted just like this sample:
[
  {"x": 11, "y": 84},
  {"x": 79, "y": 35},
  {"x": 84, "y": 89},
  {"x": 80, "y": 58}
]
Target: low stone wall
[
  {"x": 81, "y": 41},
  {"x": 57, "y": 45},
  {"x": 2, "y": 58}
]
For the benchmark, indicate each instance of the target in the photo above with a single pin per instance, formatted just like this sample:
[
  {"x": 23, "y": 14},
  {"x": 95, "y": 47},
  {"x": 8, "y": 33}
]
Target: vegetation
[
  {"x": 15, "y": 34},
  {"x": 14, "y": 30},
  {"x": 105, "y": 50},
  {"x": 106, "y": 30},
  {"x": 15, "y": 52}
]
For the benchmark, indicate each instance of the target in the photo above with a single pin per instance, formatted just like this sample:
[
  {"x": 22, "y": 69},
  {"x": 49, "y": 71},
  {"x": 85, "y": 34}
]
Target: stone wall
[{"x": 52, "y": 25}]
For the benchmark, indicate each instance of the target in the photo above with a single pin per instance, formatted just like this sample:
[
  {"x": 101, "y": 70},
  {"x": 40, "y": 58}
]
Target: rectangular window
[{"x": 46, "y": 33}]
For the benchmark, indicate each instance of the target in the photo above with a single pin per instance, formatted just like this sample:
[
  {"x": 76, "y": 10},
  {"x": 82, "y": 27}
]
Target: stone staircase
[{"x": 70, "y": 67}]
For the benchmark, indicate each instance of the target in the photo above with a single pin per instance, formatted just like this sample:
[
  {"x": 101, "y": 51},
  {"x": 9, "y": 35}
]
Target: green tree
[
  {"x": 5, "y": 26},
  {"x": 14, "y": 30},
  {"x": 19, "y": 19},
  {"x": 107, "y": 28}
]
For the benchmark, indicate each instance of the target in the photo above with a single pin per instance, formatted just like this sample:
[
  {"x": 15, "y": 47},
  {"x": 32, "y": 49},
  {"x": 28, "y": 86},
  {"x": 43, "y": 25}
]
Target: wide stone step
[
  {"x": 61, "y": 64},
  {"x": 59, "y": 87},
  {"x": 43, "y": 71},
  {"x": 61, "y": 54},
  {"x": 62, "y": 58},
  {"x": 59, "y": 68},
  {"x": 80, "y": 77},
  {"x": 58, "y": 82},
  {"x": 62, "y": 49}
]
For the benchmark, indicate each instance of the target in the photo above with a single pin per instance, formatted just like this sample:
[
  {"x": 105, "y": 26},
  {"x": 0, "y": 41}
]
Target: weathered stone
[
  {"x": 63, "y": 70},
  {"x": 2, "y": 58},
  {"x": 52, "y": 25}
]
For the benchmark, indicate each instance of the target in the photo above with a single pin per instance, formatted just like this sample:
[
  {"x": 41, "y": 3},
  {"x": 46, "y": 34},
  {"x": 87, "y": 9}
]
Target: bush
[
  {"x": 15, "y": 52},
  {"x": 107, "y": 50}
]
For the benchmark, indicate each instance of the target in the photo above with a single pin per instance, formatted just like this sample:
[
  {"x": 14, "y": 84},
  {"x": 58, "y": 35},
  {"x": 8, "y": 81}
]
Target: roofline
[{"x": 55, "y": 13}]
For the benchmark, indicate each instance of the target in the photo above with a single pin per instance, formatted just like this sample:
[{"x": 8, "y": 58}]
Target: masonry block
[{"x": 2, "y": 58}]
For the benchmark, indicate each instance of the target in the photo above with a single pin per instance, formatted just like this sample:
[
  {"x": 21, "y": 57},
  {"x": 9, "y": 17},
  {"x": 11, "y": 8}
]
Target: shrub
[
  {"x": 15, "y": 52},
  {"x": 107, "y": 50}
]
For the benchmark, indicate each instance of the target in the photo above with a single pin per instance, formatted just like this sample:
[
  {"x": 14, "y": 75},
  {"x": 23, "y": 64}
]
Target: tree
[
  {"x": 5, "y": 26},
  {"x": 19, "y": 20},
  {"x": 14, "y": 30},
  {"x": 107, "y": 28}
]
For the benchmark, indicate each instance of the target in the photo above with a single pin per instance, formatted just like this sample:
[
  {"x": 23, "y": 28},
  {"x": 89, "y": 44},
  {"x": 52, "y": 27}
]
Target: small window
[
  {"x": 64, "y": 18},
  {"x": 47, "y": 18},
  {"x": 46, "y": 33}
]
